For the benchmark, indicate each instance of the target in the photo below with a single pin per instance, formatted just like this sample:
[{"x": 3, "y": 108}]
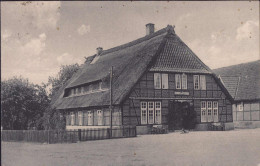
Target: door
[{"x": 175, "y": 116}]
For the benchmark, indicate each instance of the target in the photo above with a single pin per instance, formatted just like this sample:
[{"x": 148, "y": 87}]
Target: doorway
[{"x": 178, "y": 117}]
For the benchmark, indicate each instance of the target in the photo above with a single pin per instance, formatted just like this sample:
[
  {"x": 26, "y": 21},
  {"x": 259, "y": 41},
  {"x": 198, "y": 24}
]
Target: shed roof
[
  {"x": 160, "y": 51},
  {"x": 242, "y": 80}
]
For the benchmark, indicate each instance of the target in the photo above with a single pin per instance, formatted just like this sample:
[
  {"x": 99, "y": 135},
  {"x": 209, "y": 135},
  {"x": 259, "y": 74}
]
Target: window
[
  {"x": 86, "y": 89},
  {"x": 90, "y": 118},
  {"x": 178, "y": 81},
  {"x": 184, "y": 81},
  {"x": 196, "y": 82},
  {"x": 157, "y": 112},
  {"x": 181, "y": 81},
  {"x": 240, "y": 107},
  {"x": 100, "y": 85},
  {"x": 143, "y": 113},
  {"x": 160, "y": 81},
  {"x": 151, "y": 112},
  {"x": 203, "y": 112},
  {"x": 164, "y": 81},
  {"x": 90, "y": 88},
  {"x": 80, "y": 118},
  {"x": 209, "y": 111},
  {"x": 215, "y": 111},
  {"x": 157, "y": 80},
  {"x": 199, "y": 82},
  {"x": 72, "y": 118},
  {"x": 100, "y": 117},
  {"x": 202, "y": 82}
]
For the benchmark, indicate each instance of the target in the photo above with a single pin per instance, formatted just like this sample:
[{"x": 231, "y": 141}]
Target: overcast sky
[{"x": 38, "y": 37}]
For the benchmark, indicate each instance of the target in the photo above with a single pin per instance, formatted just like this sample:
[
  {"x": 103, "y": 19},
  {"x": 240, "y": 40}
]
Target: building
[
  {"x": 157, "y": 80},
  {"x": 243, "y": 83}
]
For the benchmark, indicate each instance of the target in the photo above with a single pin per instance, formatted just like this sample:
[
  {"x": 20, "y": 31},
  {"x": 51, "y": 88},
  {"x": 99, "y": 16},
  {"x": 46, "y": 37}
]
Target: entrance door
[{"x": 176, "y": 115}]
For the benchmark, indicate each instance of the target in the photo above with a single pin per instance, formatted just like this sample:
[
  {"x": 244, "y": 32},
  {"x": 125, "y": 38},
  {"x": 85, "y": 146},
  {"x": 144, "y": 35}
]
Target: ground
[{"x": 211, "y": 148}]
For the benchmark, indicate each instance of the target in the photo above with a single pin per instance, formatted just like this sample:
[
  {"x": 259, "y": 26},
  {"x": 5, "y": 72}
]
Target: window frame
[
  {"x": 165, "y": 80},
  {"x": 80, "y": 118},
  {"x": 158, "y": 118},
  {"x": 202, "y": 82},
  {"x": 99, "y": 117},
  {"x": 90, "y": 118},
  {"x": 157, "y": 79},
  {"x": 198, "y": 82},
  {"x": 184, "y": 81},
  {"x": 72, "y": 118},
  {"x": 215, "y": 109},
  {"x": 178, "y": 81},
  {"x": 203, "y": 107},
  {"x": 143, "y": 112},
  {"x": 150, "y": 110}
]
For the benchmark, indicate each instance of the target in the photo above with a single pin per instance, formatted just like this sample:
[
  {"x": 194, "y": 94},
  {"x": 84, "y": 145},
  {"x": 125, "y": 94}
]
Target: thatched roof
[
  {"x": 160, "y": 51},
  {"x": 242, "y": 81}
]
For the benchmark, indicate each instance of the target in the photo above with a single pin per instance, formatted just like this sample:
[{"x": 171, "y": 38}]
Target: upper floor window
[
  {"x": 181, "y": 81},
  {"x": 85, "y": 89},
  {"x": 199, "y": 82},
  {"x": 160, "y": 81}
]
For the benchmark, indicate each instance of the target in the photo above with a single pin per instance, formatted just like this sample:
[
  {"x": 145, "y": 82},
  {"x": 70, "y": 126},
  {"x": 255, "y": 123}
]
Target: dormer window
[
  {"x": 100, "y": 85},
  {"x": 86, "y": 89}
]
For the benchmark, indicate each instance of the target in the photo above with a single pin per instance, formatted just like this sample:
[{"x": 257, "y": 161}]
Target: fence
[{"x": 66, "y": 136}]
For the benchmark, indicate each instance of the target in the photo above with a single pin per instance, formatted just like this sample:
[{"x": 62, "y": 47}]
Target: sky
[{"x": 38, "y": 37}]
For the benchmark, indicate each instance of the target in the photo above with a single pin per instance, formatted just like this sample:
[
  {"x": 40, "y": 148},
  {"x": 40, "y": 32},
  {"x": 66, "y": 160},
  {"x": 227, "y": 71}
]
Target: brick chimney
[
  {"x": 149, "y": 28},
  {"x": 99, "y": 50}
]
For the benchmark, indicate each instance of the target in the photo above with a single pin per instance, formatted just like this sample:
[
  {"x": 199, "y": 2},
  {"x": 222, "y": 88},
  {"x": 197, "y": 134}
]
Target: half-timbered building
[
  {"x": 243, "y": 83},
  {"x": 157, "y": 80}
]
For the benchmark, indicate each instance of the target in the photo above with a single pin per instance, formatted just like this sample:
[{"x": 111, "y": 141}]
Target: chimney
[
  {"x": 149, "y": 28},
  {"x": 99, "y": 50}
]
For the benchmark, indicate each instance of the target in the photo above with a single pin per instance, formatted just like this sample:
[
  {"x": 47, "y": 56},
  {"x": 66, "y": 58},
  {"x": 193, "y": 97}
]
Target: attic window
[{"x": 86, "y": 89}]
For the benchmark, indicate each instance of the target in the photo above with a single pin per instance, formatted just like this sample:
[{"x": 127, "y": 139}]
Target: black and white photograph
[{"x": 130, "y": 83}]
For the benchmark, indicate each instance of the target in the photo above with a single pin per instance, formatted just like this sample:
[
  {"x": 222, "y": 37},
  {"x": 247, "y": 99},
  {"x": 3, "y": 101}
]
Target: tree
[
  {"x": 65, "y": 73},
  {"x": 52, "y": 118},
  {"x": 22, "y": 103}
]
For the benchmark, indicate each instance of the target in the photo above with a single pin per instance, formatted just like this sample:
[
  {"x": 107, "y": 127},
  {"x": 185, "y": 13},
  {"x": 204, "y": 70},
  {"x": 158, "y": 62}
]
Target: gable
[{"x": 177, "y": 57}]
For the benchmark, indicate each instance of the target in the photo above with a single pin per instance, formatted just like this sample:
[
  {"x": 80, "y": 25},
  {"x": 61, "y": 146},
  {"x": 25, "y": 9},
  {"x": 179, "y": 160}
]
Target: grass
[{"x": 213, "y": 148}]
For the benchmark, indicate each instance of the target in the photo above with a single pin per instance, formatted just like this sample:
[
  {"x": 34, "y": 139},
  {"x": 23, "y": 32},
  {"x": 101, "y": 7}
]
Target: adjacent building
[
  {"x": 243, "y": 83},
  {"x": 157, "y": 80}
]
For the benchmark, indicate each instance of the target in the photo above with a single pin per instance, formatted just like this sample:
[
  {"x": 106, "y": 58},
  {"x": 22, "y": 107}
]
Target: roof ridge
[
  {"x": 256, "y": 61},
  {"x": 134, "y": 42}
]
